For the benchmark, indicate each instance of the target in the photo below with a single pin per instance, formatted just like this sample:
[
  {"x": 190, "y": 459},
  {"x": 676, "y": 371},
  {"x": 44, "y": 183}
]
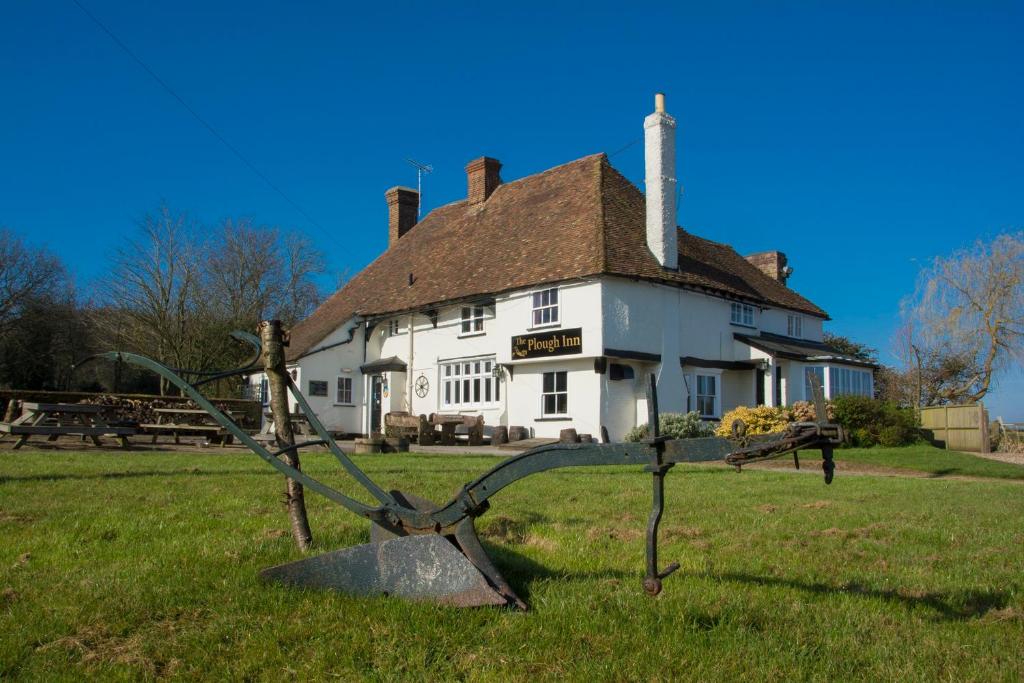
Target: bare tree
[
  {"x": 153, "y": 290},
  {"x": 176, "y": 291},
  {"x": 965, "y": 322},
  {"x": 26, "y": 274}
]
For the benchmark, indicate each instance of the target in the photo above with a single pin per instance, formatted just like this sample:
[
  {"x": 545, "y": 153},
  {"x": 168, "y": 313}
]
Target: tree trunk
[{"x": 272, "y": 337}]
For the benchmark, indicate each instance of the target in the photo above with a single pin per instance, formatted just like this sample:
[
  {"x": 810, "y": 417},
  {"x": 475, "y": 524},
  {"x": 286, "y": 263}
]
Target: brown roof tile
[{"x": 582, "y": 218}]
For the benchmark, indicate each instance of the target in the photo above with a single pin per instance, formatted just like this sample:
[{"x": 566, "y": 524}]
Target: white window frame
[
  {"x": 338, "y": 395},
  {"x": 454, "y": 381},
  {"x": 715, "y": 395},
  {"x": 846, "y": 381},
  {"x": 472, "y": 321},
  {"x": 394, "y": 327},
  {"x": 545, "y": 308},
  {"x": 555, "y": 392},
  {"x": 741, "y": 314},
  {"x": 795, "y": 326}
]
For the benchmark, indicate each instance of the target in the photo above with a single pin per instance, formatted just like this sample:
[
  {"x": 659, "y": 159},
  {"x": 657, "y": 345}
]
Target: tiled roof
[{"x": 579, "y": 219}]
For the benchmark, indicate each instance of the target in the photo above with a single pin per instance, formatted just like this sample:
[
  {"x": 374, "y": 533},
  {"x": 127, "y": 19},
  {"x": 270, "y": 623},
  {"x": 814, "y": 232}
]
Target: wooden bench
[
  {"x": 209, "y": 427},
  {"x": 412, "y": 427}
]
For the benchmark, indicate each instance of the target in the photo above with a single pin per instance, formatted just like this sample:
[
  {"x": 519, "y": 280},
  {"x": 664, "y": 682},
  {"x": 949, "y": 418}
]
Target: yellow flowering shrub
[{"x": 759, "y": 420}]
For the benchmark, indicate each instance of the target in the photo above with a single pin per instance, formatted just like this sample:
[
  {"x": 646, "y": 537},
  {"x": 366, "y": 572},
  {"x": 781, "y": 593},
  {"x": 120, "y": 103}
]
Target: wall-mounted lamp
[{"x": 764, "y": 363}]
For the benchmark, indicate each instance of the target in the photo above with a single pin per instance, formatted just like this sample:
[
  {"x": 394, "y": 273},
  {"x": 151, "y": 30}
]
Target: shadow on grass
[
  {"x": 57, "y": 476},
  {"x": 951, "y": 606}
]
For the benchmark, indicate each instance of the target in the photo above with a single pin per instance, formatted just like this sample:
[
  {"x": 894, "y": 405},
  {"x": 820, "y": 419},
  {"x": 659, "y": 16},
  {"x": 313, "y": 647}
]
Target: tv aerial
[{"x": 421, "y": 170}]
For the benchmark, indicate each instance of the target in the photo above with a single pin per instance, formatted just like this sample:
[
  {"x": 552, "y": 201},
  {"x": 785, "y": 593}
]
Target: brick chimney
[
  {"x": 403, "y": 205},
  {"x": 484, "y": 176},
  {"x": 773, "y": 264},
  {"x": 660, "y": 179}
]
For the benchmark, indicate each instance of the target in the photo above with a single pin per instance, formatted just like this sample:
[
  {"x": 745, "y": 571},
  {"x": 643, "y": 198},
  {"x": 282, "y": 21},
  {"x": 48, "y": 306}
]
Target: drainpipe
[{"x": 408, "y": 372}]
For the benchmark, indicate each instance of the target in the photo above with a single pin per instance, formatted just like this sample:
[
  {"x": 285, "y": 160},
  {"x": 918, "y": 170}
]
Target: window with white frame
[
  {"x": 469, "y": 384},
  {"x": 394, "y": 328},
  {"x": 742, "y": 314},
  {"x": 317, "y": 387},
  {"x": 472, "y": 319},
  {"x": 545, "y": 307},
  {"x": 809, "y": 372},
  {"x": 795, "y": 326},
  {"x": 343, "y": 391},
  {"x": 845, "y": 381},
  {"x": 707, "y": 395},
  {"x": 555, "y": 393}
]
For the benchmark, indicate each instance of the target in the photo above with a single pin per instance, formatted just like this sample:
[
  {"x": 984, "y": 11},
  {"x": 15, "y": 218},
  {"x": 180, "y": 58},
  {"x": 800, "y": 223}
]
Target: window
[
  {"x": 844, "y": 381},
  {"x": 707, "y": 394},
  {"x": 472, "y": 319},
  {"x": 743, "y": 314},
  {"x": 545, "y": 307},
  {"x": 394, "y": 328},
  {"x": 317, "y": 388},
  {"x": 809, "y": 372},
  {"x": 795, "y": 326},
  {"x": 343, "y": 392},
  {"x": 264, "y": 391},
  {"x": 469, "y": 384},
  {"x": 555, "y": 393}
]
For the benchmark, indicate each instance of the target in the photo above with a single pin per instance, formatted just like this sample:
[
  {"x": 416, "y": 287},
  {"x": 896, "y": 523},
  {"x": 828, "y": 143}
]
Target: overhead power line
[{"x": 213, "y": 131}]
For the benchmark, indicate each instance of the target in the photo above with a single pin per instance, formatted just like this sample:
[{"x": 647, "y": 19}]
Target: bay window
[{"x": 707, "y": 395}]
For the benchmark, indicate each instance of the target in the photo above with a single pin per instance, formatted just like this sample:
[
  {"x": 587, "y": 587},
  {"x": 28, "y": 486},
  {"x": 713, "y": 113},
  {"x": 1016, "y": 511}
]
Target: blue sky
[{"x": 861, "y": 138}]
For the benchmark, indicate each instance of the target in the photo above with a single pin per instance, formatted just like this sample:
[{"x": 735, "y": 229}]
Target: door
[
  {"x": 759, "y": 388},
  {"x": 778, "y": 385},
  {"x": 376, "y": 402}
]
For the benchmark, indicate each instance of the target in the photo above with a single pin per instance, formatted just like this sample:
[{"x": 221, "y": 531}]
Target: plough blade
[{"x": 426, "y": 568}]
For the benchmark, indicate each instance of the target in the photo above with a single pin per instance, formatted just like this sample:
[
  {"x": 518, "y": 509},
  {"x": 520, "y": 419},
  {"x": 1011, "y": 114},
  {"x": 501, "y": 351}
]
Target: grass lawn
[
  {"x": 926, "y": 458},
  {"x": 143, "y": 565}
]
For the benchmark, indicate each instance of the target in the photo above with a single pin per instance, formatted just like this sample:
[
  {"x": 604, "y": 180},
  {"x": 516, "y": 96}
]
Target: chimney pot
[
  {"x": 403, "y": 206},
  {"x": 483, "y": 176}
]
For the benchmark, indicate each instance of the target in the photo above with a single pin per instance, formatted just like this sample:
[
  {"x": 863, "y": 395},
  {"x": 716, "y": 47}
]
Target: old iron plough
[{"x": 420, "y": 550}]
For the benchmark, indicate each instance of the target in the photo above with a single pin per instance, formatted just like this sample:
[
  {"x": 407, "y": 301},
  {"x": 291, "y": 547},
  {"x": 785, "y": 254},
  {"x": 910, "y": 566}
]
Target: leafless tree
[
  {"x": 965, "y": 322},
  {"x": 26, "y": 274},
  {"x": 176, "y": 291}
]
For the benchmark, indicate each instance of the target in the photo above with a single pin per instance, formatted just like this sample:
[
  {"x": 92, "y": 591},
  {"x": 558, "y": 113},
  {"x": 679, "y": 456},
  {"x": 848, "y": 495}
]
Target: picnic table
[
  {"x": 64, "y": 419},
  {"x": 178, "y": 421}
]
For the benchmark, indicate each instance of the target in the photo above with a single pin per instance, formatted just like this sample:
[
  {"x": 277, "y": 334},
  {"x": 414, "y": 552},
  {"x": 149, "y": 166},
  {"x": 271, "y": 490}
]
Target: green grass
[
  {"x": 926, "y": 458},
  {"x": 140, "y": 566}
]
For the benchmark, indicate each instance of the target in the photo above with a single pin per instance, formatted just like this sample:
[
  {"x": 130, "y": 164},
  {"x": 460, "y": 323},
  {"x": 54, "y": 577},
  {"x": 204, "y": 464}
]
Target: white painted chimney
[{"x": 660, "y": 178}]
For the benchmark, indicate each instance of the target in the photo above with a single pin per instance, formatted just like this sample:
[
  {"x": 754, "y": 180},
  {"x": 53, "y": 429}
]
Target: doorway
[{"x": 376, "y": 402}]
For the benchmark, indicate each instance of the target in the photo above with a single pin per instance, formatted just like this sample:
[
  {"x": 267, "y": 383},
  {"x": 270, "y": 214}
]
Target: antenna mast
[{"x": 421, "y": 170}]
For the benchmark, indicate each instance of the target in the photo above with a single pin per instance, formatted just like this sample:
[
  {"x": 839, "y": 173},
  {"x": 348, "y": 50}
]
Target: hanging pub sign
[{"x": 555, "y": 343}]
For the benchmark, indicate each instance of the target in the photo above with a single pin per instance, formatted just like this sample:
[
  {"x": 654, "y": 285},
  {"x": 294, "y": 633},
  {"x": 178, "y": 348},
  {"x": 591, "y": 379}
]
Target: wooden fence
[{"x": 957, "y": 428}]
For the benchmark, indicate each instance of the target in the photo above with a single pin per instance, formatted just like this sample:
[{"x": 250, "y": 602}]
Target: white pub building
[{"x": 546, "y": 302}]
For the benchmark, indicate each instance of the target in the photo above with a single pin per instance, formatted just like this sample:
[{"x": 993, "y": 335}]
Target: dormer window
[
  {"x": 545, "y": 307},
  {"x": 742, "y": 314},
  {"x": 472, "y": 320},
  {"x": 795, "y": 326}
]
